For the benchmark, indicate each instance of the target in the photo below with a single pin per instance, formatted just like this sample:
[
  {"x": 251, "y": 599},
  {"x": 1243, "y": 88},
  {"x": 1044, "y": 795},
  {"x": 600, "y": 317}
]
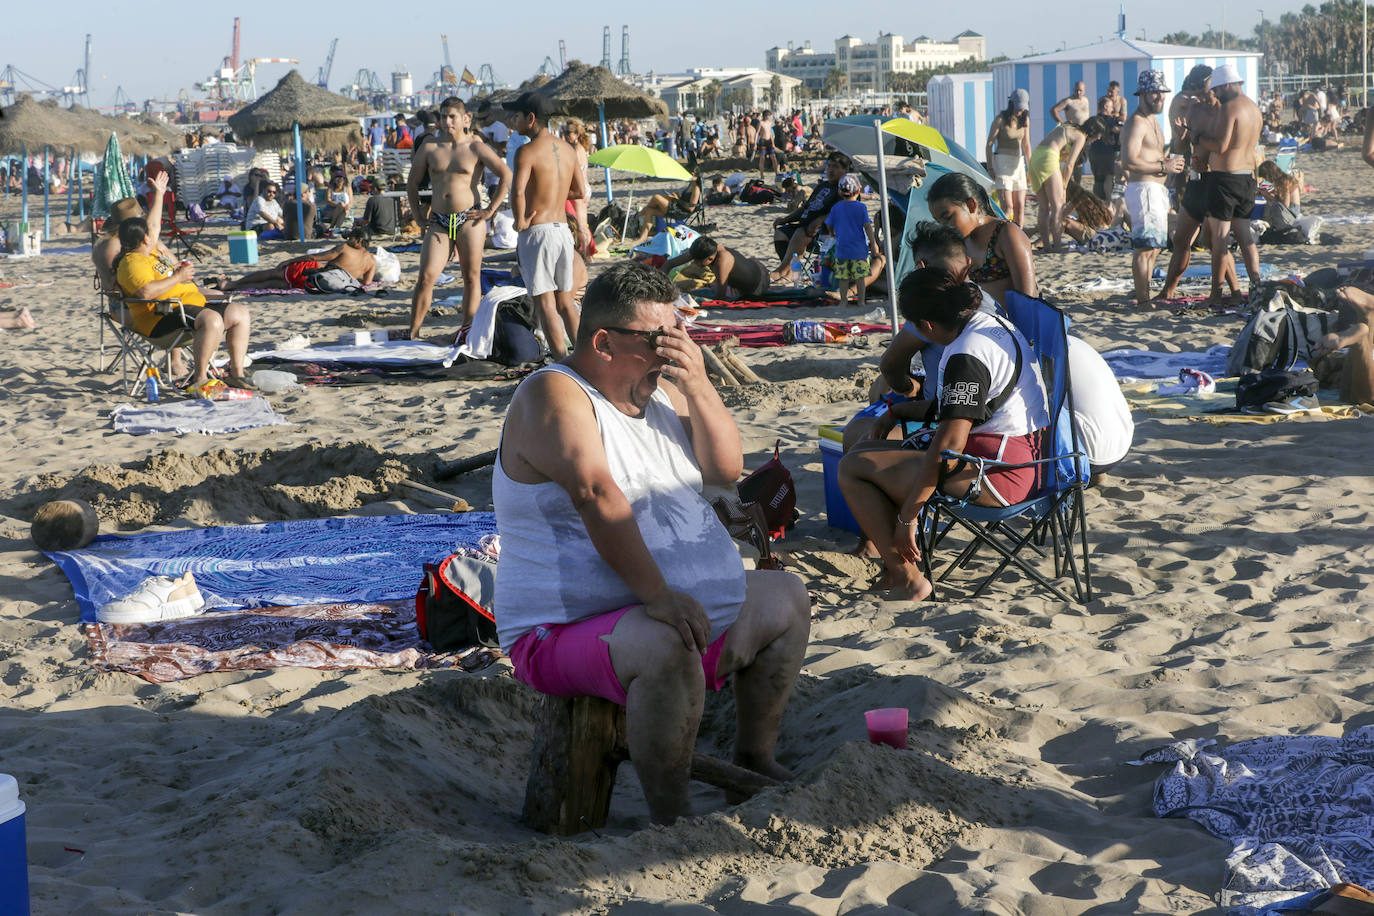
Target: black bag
[
  {"x": 1278, "y": 335},
  {"x": 513, "y": 340},
  {"x": 612, "y": 213},
  {"x": 453, "y": 603},
  {"x": 1255, "y": 389}
]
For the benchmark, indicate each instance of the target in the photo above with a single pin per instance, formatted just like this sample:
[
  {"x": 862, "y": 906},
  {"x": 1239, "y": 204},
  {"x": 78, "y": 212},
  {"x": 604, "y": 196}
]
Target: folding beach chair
[
  {"x": 1055, "y": 514},
  {"x": 135, "y": 354}
]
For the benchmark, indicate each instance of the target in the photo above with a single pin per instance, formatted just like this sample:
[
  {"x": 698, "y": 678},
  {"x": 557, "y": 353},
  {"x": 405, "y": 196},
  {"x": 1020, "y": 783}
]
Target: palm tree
[
  {"x": 710, "y": 93},
  {"x": 834, "y": 81},
  {"x": 774, "y": 91}
]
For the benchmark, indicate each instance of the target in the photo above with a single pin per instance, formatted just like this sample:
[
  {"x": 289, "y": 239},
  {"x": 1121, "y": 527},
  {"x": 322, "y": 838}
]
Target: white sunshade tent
[{"x": 1050, "y": 77}]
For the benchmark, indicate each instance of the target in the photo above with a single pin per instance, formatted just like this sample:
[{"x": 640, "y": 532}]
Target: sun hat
[
  {"x": 1151, "y": 81},
  {"x": 1224, "y": 75},
  {"x": 1020, "y": 100}
]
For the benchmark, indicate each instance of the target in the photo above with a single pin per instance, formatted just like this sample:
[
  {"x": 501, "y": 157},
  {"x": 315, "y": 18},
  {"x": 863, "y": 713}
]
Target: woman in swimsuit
[
  {"x": 999, "y": 250},
  {"x": 1050, "y": 167}
]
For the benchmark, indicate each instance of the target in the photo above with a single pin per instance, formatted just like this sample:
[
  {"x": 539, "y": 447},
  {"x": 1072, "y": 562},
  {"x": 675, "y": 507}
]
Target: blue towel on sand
[
  {"x": 1143, "y": 364},
  {"x": 310, "y": 561}
]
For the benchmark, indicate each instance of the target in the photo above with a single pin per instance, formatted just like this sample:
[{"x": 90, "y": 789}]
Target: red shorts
[
  {"x": 1008, "y": 486},
  {"x": 572, "y": 660},
  {"x": 295, "y": 272}
]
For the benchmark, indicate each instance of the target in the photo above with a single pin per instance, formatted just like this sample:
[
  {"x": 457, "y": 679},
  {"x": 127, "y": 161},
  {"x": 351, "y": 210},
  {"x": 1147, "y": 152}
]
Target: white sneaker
[{"x": 158, "y": 598}]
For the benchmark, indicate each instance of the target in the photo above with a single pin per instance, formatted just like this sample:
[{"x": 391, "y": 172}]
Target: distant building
[
  {"x": 750, "y": 86},
  {"x": 805, "y": 63},
  {"x": 866, "y": 65}
]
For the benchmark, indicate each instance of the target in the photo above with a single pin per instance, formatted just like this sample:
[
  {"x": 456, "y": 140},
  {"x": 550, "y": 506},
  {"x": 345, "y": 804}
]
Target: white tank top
[{"x": 550, "y": 572}]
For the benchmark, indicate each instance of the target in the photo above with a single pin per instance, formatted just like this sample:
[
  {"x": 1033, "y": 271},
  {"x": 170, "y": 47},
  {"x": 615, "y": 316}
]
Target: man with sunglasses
[
  {"x": 616, "y": 577},
  {"x": 265, "y": 216}
]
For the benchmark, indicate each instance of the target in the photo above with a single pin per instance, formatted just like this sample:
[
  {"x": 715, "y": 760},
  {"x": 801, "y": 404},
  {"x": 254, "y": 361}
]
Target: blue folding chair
[{"x": 1055, "y": 513}]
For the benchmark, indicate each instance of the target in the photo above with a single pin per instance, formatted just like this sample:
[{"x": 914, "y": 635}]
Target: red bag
[
  {"x": 772, "y": 489},
  {"x": 453, "y": 603}
]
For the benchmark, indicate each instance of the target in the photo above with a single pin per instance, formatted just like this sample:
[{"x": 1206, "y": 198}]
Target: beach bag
[
  {"x": 332, "y": 280},
  {"x": 513, "y": 341},
  {"x": 772, "y": 489},
  {"x": 1278, "y": 335},
  {"x": 611, "y": 214},
  {"x": 453, "y": 602},
  {"x": 756, "y": 192},
  {"x": 388, "y": 266},
  {"x": 1256, "y": 389}
]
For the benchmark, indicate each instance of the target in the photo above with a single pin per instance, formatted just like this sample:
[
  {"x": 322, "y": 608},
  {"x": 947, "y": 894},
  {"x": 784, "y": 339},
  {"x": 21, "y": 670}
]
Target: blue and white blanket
[
  {"x": 1130, "y": 365},
  {"x": 1298, "y": 809},
  {"x": 310, "y": 561}
]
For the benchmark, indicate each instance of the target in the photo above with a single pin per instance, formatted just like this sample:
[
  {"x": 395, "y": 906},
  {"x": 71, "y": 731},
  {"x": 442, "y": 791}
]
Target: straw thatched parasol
[
  {"x": 138, "y": 135},
  {"x": 580, "y": 88},
  {"x": 326, "y": 119},
  {"x": 32, "y": 124}
]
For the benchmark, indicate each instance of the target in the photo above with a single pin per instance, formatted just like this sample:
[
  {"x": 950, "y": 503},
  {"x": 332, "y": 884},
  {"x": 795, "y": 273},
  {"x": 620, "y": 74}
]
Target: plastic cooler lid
[
  {"x": 10, "y": 805},
  {"x": 833, "y": 433}
]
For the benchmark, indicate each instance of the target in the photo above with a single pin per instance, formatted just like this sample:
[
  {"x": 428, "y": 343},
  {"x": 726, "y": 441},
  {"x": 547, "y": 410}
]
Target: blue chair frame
[{"x": 1056, "y": 512}]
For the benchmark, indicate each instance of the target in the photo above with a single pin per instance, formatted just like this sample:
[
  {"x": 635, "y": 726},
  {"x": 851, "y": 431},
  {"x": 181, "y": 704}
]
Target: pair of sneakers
[{"x": 159, "y": 598}]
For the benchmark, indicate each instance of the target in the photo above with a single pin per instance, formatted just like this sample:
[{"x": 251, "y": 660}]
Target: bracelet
[{"x": 912, "y": 523}]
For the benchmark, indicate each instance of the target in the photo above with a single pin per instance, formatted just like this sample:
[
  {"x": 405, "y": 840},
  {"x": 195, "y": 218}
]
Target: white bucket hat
[{"x": 1224, "y": 75}]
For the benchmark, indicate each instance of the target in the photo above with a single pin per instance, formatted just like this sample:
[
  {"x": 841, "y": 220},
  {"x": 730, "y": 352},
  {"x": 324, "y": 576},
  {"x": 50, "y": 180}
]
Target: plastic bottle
[
  {"x": 796, "y": 270},
  {"x": 151, "y": 384}
]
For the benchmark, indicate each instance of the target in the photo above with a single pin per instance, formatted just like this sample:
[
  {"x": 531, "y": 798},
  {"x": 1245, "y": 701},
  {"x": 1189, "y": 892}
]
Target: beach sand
[{"x": 1233, "y": 565}]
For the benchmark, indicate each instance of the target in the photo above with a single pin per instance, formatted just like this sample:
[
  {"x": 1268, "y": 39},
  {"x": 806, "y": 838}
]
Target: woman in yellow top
[
  {"x": 144, "y": 275},
  {"x": 1051, "y": 164}
]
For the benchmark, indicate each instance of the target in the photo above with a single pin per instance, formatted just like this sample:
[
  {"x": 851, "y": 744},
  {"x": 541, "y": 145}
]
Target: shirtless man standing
[
  {"x": 545, "y": 178},
  {"x": 1147, "y": 165},
  {"x": 1074, "y": 109},
  {"x": 453, "y": 162},
  {"x": 1230, "y": 179}
]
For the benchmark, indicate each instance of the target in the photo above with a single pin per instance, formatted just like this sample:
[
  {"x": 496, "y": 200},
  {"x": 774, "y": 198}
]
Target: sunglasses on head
[{"x": 650, "y": 337}]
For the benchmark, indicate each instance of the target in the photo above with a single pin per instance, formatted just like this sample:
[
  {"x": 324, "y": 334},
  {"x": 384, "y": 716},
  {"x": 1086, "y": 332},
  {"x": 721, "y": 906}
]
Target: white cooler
[{"x": 14, "y": 860}]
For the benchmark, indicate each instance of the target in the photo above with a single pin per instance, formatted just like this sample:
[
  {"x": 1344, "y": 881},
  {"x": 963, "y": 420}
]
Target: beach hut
[
  {"x": 1050, "y": 77},
  {"x": 962, "y": 106},
  {"x": 326, "y": 120}
]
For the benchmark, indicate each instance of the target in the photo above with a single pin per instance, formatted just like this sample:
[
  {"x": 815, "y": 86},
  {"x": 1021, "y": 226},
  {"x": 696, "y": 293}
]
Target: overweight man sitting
[{"x": 616, "y": 579}]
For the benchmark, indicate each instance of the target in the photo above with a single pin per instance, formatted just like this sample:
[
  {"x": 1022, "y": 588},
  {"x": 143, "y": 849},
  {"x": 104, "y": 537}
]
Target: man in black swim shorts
[{"x": 1230, "y": 181}]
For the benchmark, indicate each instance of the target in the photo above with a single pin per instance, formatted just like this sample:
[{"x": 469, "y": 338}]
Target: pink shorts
[
  {"x": 572, "y": 660},
  {"x": 1014, "y": 486}
]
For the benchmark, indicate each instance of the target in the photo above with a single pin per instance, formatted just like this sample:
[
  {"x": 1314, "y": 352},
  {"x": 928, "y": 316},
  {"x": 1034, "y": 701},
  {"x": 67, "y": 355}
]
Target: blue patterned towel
[
  {"x": 1144, "y": 364},
  {"x": 311, "y": 561},
  {"x": 1298, "y": 809}
]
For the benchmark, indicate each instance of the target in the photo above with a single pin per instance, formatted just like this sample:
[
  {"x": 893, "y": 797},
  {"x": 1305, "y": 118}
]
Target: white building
[
  {"x": 866, "y": 65},
  {"x": 747, "y": 86},
  {"x": 805, "y": 63}
]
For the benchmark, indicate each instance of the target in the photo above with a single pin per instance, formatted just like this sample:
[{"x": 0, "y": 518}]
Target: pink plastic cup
[{"x": 887, "y": 726}]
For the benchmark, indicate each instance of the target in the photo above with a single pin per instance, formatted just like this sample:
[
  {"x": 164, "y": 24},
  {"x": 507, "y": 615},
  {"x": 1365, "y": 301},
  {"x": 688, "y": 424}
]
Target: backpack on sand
[
  {"x": 453, "y": 603},
  {"x": 332, "y": 280},
  {"x": 1278, "y": 335}
]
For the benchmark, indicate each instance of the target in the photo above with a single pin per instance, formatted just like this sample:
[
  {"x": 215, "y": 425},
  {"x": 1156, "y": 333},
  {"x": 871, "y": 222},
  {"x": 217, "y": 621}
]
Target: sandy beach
[{"x": 1233, "y": 563}]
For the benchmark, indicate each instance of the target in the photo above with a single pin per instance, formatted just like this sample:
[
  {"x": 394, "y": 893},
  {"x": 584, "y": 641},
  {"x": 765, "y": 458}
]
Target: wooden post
[{"x": 717, "y": 368}]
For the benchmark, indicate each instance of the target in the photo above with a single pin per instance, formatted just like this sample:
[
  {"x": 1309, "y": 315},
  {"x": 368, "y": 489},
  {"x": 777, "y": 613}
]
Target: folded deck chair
[{"x": 1018, "y": 533}]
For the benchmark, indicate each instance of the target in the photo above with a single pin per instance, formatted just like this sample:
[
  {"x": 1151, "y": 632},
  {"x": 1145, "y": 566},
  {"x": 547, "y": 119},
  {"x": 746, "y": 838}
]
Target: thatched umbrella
[
  {"x": 28, "y": 126},
  {"x": 326, "y": 119},
  {"x": 581, "y": 91},
  {"x": 139, "y": 136}
]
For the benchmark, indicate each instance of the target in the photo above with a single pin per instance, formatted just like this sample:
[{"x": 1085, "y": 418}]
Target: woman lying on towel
[
  {"x": 663, "y": 206},
  {"x": 992, "y": 404}
]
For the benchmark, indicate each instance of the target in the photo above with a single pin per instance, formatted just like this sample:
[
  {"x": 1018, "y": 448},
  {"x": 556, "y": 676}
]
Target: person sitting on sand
[
  {"x": 663, "y": 206},
  {"x": 265, "y": 216},
  {"x": 998, "y": 248},
  {"x": 352, "y": 256},
  {"x": 1052, "y": 163},
  {"x": 1282, "y": 195},
  {"x": 720, "y": 193},
  {"x": 616, "y": 578},
  {"x": 144, "y": 275},
  {"x": 736, "y": 275},
  {"x": 1355, "y": 335},
  {"x": 340, "y": 200},
  {"x": 985, "y": 409},
  {"x": 21, "y": 320}
]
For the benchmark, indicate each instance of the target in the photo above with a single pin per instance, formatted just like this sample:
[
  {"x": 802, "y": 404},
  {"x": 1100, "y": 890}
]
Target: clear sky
[{"x": 180, "y": 44}]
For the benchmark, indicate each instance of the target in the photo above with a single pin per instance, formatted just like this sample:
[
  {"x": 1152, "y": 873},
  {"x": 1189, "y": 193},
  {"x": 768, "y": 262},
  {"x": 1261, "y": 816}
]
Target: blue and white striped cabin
[{"x": 962, "y": 106}]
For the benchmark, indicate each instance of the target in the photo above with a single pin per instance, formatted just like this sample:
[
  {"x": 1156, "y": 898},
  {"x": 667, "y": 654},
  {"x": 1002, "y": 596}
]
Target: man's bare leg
[
  {"x": 569, "y": 314},
  {"x": 1142, "y": 265},
  {"x": 546, "y": 308},
  {"x": 471, "y": 239},
  {"x": 665, "y": 689},
  {"x": 1249, "y": 250},
  {"x": 435, "y": 253},
  {"x": 764, "y": 650},
  {"x": 271, "y": 277},
  {"x": 1218, "y": 233},
  {"x": 795, "y": 244},
  {"x": 1185, "y": 231}
]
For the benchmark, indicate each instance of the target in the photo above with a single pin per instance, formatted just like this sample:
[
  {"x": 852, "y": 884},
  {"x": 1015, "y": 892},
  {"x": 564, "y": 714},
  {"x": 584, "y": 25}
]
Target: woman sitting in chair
[
  {"x": 992, "y": 405},
  {"x": 340, "y": 199},
  {"x": 664, "y": 206}
]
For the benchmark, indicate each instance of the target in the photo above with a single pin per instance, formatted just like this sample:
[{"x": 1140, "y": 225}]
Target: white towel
[
  {"x": 194, "y": 416},
  {"x": 482, "y": 334}
]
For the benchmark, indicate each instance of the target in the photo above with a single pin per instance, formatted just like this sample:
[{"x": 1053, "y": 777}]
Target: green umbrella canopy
[
  {"x": 640, "y": 160},
  {"x": 326, "y": 119},
  {"x": 112, "y": 182},
  {"x": 579, "y": 89}
]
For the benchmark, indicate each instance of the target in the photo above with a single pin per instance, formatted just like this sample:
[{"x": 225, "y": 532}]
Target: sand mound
[{"x": 227, "y": 487}]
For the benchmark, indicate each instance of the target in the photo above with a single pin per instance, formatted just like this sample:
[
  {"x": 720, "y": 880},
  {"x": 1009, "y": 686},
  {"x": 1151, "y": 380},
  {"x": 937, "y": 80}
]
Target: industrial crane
[
  {"x": 447, "y": 76},
  {"x": 235, "y": 80},
  {"x": 322, "y": 78},
  {"x": 549, "y": 68}
]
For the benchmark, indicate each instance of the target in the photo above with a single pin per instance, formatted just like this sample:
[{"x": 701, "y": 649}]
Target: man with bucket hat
[
  {"x": 1230, "y": 143},
  {"x": 1147, "y": 164}
]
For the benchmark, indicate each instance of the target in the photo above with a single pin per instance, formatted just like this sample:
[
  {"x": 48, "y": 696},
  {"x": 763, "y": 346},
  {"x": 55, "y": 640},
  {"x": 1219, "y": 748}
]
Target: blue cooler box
[
  {"x": 836, "y": 509},
  {"x": 14, "y": 859},
  {"x": 243, "y": 248}
]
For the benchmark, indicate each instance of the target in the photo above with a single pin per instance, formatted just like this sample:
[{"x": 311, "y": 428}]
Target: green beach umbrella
[
  {"x": 112, "y": 180},
  {"x": 639, "y": 160}
]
